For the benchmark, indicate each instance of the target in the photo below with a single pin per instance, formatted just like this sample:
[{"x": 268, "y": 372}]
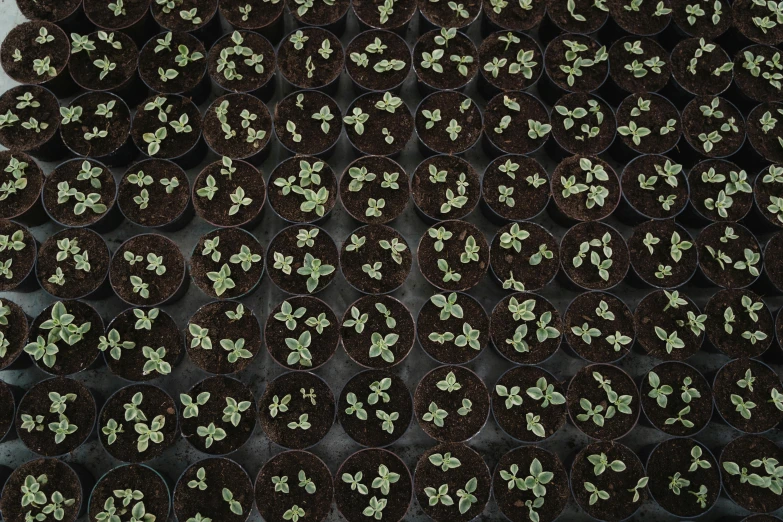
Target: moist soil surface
[
  {"x": 370, "y": 431},
  {"x": 176, "y": 143},
  {"x": 742, "y": 451},
  {"x": 22, "y": 261},
  {"x": 135, "y": 477},
  {"x": 273, "y": 504},
  {"x": 313, "y": 140},
  {"x": 493, "y": 47},
  {"x": 393, "y": 272},
  {"x": 168, "y": 201},
  {"x": 48, "y": 112},
  {"x": 237, "y": 146},
  {"x": 133, "y": 11},
  {"x": 515, "y": 138},
  {"x": 90, "y": 123},
  {"x": 642, "y": 20},
  {"x": 587, "y": 275},
  {"x": 14, "y": 330},
  {"x": 17, "y": 203},
  {"x": 471, "y": 273},
  {"x": 213, "y": 317},
  {"x": 765, "y": 143},
  {"x": 695, "y": 124},
  {"x": 441, "y": 15},
  {"x": 514, "y": 17},
  {"x": 367, "y": 12},
  {"x": 218, "y": 209},
  {"x": 437, "y": 138},
  {"x": 584, "y": 309},
  {"x": 318, "y": 410},
  {"x": 773, "y": 250},
  {"x": 260, "y": 17},
  {"x": 355, "y": 202},
  {"x": 65, "y": 213},
  {"x": 7, "y": 407},
  {"x": 230, "y": 243},
  {"x": 647, "y": 265},
  {"x": 620, "y": 57},
  {"x": 48, "y": 10},
  {"x": 533, "y": 272},
  {"x": 430, "y": 321},
  {"x": 60, "y": 477},
  {"x": 285, "y": 243},
  {"x": 555, "y": 56},
  {"x": 650, "y": 313},
  {"x": 292, "y": 62},
  {"x": 22, "y": 38},
  {"x": 733, "y": 344},
  {"x": 734, "y": 248},
  {"x": 702, "y": 190},
  {"x": 367, "y": 77},
  {"x": 765, "y": 415},
  {"x": 757, "y": 87},
  {"x": 151, "y": 63},
  {"x": 674, "y": 374},
  {"x": 594, "y": 18},
  {"x": 357, "y": 344},
  {"x": 126, "y": 59},
  {"x": 742, "y": 16},
  {"x": 320, "y": 13},
  {"x": 398, "y": 124},
  {"x": 567, "y": 138},
  {"x": 251, "y": 79},
  {"x": 659, "y": 114},
  {"x": 430, "y": 192},
  {"x": 161, "y": 287},
  {"x": 205, "y": 10},
  {"x": 704, "y": 82},
  {"x": 162, "y": 332},
  {"x": 575, "y": 205},
  {"x": 703, "y": 27},
  {"x": 323, "y": 343},
  {"x": 289, "y": 206},
  {"x": 449, "y": 76},
  {"x": 351, "y": 503},
  {"x": 78, "y": 282},
  {"x": 70, "y": 358},
  {"x": 519, "y": 173},
  {"x": 220, "y": 474},
  {"x": 583, "y": 386},
  {"x": 504, "y": 326},
  {"x": 646, "y": 200}
]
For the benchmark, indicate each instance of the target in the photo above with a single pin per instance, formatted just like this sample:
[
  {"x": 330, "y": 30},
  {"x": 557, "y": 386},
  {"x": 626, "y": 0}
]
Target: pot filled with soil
[
  {"x": 13, "y": 333},
  {"x": 18, "y": 257},
  {"x": 646, "y": 124},
  {"x": 713, "y": 126},
  {"x": 63, "y": 339},
  {"x": 763, "y": 133},
  {"x": 200, "y": 18},
  {"x": 442, "y": 15},
  {"x": 299, "y": 132},
  {"x": 164, "y": 185},
  {"x": 445, "y": 187},
  {"x": 519, "y": 51},
  {"x": 230, "y": 270},
  {"x": 653, "y": 187},
  {"x": 451, "y": 404},
  {"x": 520, "y": 503},
  {"x": 391, "y": 486},
  {"x": 66, "y": 13},
  {"x": 243, "y": 62},
  {"x": 640, "y": 19},
  {"x": 227, "y": 193},
  {"x": 371, "y": 197},
  {"x": 141, "y": 344},
  {"x": 302, "y": 259},
  {"x": 375, "y": 259},
  {"x": 773, "y": 272},
  {"x": 754, "y": 26},
  {"x": 720, "y": 191},
  {"x": 379, "y": 60},
  {"x": 302, "y": 189},
  {"x": 639, "y": 65},
  {"x": 297, "y": 410},
  {"x": 730, "y": 255},
  {"x": 107, "y": 62},
  {"x": 767, "y": 193},
  {"x": 447, "y": 122},
  {"x": 452, "y": 470},
  {"x": 82, "y": 193},
  {"x": 747, "y": 395},
  {"x": 669, "y": 325},
  {"x": 608, "y": 410},
  {"x": 450, "y": 327},
  {"x": 173, "y": 63},
  {"x": 544, "y": 411},
  {"x": 132, "y": 17},
  {"x": 37, "y": 53},
  {"x": 515, "y": 123},
  {"x": 453, "y": 255},
  {"x": 311, "y": 58},
  {"x": 21, "y": 183},
  {"x": 331, "y": 16},
  {"x": 599, "y": 327},
  {"x": 581, "y": 17},
  {"x": 302, "y": 333},
  {"x": 676, "y": 399},
  {"x": 581, "y": 124},
  {"x": 148, "y": 270},
  {"x": 377, "y": 331},
  {"x": 380, "y": 14},
  {"x": 444, "y": 59},
  {"x": 378, "y": 124},
  {"x": 31, "y": 128},
  {"x": 499, "y": 14},
  {"x": 227, "y": 324},
  {"x": 215, "y": 489},
  {"x": 607, "y": 466},
  {"x": 294, "y": 483},
  {"x": 169, "y": 127},
  {"x": 591, "y": 176},
  {"x": 217, "y": 415},
  {"x": 694, "y": 64},
  {"x": 573, "y": 63},
  {"x": 73, "y": 263},
  {"x": 749, "y": 452},
  {"x": 8, "y": 399},
  {"x": 691, "y": 22},
  {"x": 138, "y": 423},
  {"x": 739, "y": 323},
  {"x": 607, "y": 252},
  {"x": 125, "y": 487},
  {"x": 239, "y": 126},
  {"x": 511, "y": 194},
  {"x": 514, "y": 339},
  {"x": 754, "y": 70},
  {"x": 375, "y": 408},
  {"x": 265, "y": 18},
  {"x": 662, "y": 254},
  {"x": 527, "y": 245}
]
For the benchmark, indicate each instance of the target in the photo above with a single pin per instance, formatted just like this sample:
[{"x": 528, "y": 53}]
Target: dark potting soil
[
  {"x": 734, "y": 344},
  {"x": 659, "y": 113},
  {"x": 219, "y": 326},
  {"x": 695, "y": 124},
  {"x": 249, "y": 78},
  {"x": 493, "y": 47},
  {"x": 372, "y": 431},
  {"x": 573, "y": 140},
  {"x": 78, "y": 356},
  {"x": 148, "y": 121},
  {"x": 430, "y": 322},
  {"x": 134, "y": 477},
  {"x": 77, "y": 282},
  {"x": 742, "y": 451},
  {"x": 533, "y": 272},
  {"x": 514, "y": 17},
  {"x": 285, "y": 244},
  {"x": 755, "y": 86},
  {"x": 529, "y": 350},
  {"x": 513, "y": 421},
  {"x": 154, "y": 57},
  {"x": 23, "y": 38},
  {"x": 620, "y": 58},
  {"x": 766, "y": 142},
  {"x": 703, "y": 82},
  {"x": 673, "y": 374},
  {"x": 319, "y": 316},
  {"x": 575, "y": 206},
  {"x": 449, "y": 76},
  {"x": 21, "y": 260},
  {"x": 312, "y": 138},
  {"x": 450, "y": 105},
  {"x": 289, "y": 205},
  {"x": 730, "y": 276},
  {"x": 320, "y": 13},
  {"x": 441, "y": 15},
  {"x": 126, "y": 58},
  {"x": 650, "y": 266},
  {"x": 764, "y": 416},
  {"x": 220, "y": 474},
  {"x": 621, "y": 504},
  {"x": 649, "y": 201},
  {"x": 428, "y": 475},
  {"x": 273, "y": 504},
  {"x": 526, "y": 176},
  {"x": 79, "y": 412},
  {"x": 48, "y": 10},
  {"x": 652, "y": 311},
  {"x": 511, "y": 500},
  {"x": 742, "y": 16},
  {"x": 702, "y": 188},
  {"x": 584, "y": 385},
  {"x": 13, "y": 327},
  {"x": 17, "y": 202},
  {"x": 47, "y": 114},
  {"x": 60, "y": 477},
  {"x": 368, "y": 12},
  {"x": 220, "y": 389},
  {"x": 587, "y": 275},
  {"x": 201, "y": 265},
  {"x": 640, "y": 19},
  {"x": 161, "y": 287},
  {"x": 260, "y": 16},
  {"x": 256, "y": 119},
  {"x": 157, "y": 177},
  {"x": 592, "y": 77},
  {"x": 357, "y": 344},
  {"x": 132, "y": 11},
  {"x": 430, "y": 193},
  {"x": 368, "y": 463},
  {"x": 223, "y": 209},
  {"x": 162, "y": 332},
  {"x": 7, "y": 407},
  {"x": 393, "y": 272},
  {"x": 594, "y": 17},
  {"x": 774, "y": 250},
  {"x": 64, "y": 212},
  {"x": 395, "y": 200},
  {"x": 292, "y": 62},
  {"x": 310, "y": 401},
  {"x": 90, "y": 123},
  {"x": 398, "y": 123},
  {"x": 515, "y": 138},
  {"x": 702, "y": 26},
  {"x": 155, "y": 402},
  {"x": 173, "y": 21},
  {"x": 471, "y": 272},
  {"x": 395, "y": 48},
  {"x": 584, "y": 309}
]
